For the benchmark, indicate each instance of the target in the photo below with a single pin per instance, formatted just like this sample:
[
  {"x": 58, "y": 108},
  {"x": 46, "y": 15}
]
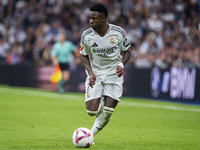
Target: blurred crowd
[{"x": 163, "y": 33}]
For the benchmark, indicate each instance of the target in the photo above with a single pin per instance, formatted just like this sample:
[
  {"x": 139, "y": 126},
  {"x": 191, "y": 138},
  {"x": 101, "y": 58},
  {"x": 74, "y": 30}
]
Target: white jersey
[{"x": 104, "y": 52}]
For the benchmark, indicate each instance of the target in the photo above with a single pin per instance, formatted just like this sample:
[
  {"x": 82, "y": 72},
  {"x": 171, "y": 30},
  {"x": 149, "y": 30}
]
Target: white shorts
[{"x": 105, "y": 85}]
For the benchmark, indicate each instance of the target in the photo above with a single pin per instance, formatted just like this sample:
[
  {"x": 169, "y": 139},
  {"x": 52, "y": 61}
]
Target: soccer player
[
  {"x": 104, "y": 52},
  {"x": 60, "y": 55}
]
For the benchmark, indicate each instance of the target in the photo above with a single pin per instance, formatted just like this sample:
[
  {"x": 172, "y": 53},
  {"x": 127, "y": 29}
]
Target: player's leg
[
  {"x": 92, "y": 106},
  {"x": 112, "y": 93},
  {"x": 65, "y": 77},
  {"x": 93, "y": 96},
  {"x": 101, "y": 106},
  {"x": 102, "y": 120},
  {"x": 64, "y": 80}
]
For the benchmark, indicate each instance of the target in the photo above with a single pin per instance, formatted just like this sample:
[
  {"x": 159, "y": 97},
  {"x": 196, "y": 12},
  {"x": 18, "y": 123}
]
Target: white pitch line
[
  {"x": 158, "y": 106},
  {"x": 78, "y": 98},
  {"x": 39, "y": 94}
]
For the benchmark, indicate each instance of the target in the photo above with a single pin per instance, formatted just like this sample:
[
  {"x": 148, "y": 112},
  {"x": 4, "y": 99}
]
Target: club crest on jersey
[
  {"x": 88, "y": 95},
  {"x": 112, "y": 41},
  {"x": 87, "y": 92}
]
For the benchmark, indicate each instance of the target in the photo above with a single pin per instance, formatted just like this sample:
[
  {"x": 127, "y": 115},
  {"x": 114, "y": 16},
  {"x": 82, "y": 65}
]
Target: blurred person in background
[
  {"x": 61, "y": 55},
  {"x": 4, "y": 49},
  {"x": 15, "y": 56}
]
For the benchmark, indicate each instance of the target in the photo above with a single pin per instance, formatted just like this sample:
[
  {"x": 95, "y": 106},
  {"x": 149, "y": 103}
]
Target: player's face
[{"x": 97, "y": 20}]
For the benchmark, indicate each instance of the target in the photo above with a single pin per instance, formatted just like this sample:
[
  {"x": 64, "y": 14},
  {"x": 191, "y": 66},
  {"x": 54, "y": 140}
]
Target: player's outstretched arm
[
  {"x": 54, "y": 60},
  {"x": 125, "y": 59},
  {"x": 86, "y": 63}
]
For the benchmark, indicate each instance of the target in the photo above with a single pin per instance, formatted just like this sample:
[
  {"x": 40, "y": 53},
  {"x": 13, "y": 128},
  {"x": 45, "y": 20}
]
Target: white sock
[{"x": 102, "y": 120}]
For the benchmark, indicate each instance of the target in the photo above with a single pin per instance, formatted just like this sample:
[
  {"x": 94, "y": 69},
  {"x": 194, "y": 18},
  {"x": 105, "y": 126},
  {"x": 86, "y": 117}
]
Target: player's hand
[
  {"x": 119, "y": 71},
  {"x": 92, "y": 79}
]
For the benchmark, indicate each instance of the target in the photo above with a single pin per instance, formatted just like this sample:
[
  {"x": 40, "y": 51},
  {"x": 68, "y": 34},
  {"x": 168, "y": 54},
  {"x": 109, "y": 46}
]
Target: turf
[{"x": 32, "y": 119}]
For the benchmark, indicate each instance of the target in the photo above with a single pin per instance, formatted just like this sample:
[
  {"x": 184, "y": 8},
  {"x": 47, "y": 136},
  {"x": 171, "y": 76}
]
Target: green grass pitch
[{"x": 33, "y": 119}]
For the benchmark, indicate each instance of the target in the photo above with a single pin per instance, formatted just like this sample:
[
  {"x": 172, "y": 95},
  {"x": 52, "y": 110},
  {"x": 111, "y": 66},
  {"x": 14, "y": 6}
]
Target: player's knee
[{"x": 91, "y": 113}]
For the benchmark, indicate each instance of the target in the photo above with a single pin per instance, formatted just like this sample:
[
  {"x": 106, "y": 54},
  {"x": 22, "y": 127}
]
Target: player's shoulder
[
  {"x": 117, "y": 29},
  {"x": 113, "y": 27},
  {"x": 87, "y": 32}
]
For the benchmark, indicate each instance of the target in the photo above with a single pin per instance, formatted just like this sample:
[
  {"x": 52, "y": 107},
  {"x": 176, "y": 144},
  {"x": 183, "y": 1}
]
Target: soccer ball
[{"x": 82, "y": 138}]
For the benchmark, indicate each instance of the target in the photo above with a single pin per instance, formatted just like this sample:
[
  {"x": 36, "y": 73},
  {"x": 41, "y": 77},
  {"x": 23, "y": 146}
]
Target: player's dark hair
[{"x": 99, "y": 8}]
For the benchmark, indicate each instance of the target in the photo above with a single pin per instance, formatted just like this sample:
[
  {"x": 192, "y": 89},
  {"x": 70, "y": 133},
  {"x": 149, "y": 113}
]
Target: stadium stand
[{"x": 162, "y": 33}]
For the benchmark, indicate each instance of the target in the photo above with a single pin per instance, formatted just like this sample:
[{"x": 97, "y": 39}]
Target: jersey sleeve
[
  {"x": 124, "y": 45},
  {"x": 84, "y": 50}
]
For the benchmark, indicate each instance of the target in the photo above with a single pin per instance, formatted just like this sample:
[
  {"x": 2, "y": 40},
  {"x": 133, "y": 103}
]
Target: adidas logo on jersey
[{"x": 95, "y": 45}]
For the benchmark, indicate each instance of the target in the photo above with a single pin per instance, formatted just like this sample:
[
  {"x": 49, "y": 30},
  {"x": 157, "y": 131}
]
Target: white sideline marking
[
  {"x": 78, "y": 98},
  {"x": 39, "y": 94},
  {"x": 179, "y": 108}
]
